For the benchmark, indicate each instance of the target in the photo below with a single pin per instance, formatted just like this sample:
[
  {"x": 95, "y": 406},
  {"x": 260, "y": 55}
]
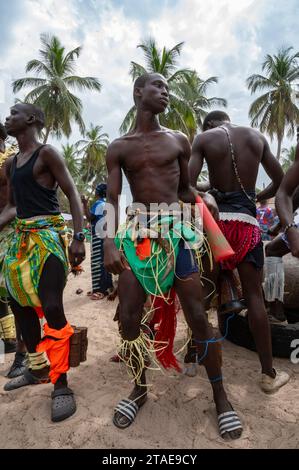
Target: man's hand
[
  {"x": 211, "y": 204},
  {"x": 76, "y": 253},
  {"x": 114, "y": 261},
  {"x": 84, "y": 199},
  {"x": 293, "y": 239}
]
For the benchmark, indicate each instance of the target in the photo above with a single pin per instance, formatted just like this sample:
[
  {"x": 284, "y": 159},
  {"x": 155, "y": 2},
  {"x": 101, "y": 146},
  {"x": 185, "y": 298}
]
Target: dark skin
[
  {"x": 155, "y": 161},
  {"x": 49, "y": 170},
  {"x": 284, "y": 203},
  {"x": 287, "y": 201},
  {"x": 12, "y": 213},
  {"x": 251, "y": 150},
  {"x": 86, "y": 210}
]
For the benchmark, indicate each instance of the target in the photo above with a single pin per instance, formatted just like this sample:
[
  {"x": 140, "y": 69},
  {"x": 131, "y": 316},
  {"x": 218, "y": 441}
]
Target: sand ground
[{"x": 178, "y": 414}]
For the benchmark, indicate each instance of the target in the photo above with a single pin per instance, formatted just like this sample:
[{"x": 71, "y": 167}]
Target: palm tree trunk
[
  {"x": 48, "y": 129},
  {"x": 279, "y": 142}
]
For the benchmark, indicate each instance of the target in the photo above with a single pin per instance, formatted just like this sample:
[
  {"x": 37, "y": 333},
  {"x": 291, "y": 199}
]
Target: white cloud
[{"x": 227, "y": 38}]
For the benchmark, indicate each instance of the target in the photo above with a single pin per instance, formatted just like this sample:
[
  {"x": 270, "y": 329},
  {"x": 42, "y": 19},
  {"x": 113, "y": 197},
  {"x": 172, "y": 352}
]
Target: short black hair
[
  {"x": 140, "y": 83},
  {"x": 214, "y": 116},
  {"x": 38, "y": 113},
  {"x": 101, "y": 189},
  {"x": 3, "y": 133}
]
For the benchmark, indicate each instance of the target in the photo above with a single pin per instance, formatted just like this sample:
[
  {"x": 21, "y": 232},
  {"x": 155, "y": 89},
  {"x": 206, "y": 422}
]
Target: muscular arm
[
  {"x": 114, "y": 187},
  {"x": 188, "y": 187},
  {"x": 196, "y": 163},
  {"x": 296, "y": 199},
  {"x": 185, "y": 192},
  {"x": 273, "y": 170},
  {"x": 284, "y": 205},
  {"x": 114, "y": 261},
  {"x": 9, "y": 211},
  {"x": 287, "y": 195},
  {"x": 56, "y": 164}
]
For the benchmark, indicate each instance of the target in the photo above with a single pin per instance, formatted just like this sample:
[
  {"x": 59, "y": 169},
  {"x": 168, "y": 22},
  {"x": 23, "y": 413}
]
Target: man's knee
[
  {"x": 197, "y": 315},
  {"x": 130, "y": 318}
]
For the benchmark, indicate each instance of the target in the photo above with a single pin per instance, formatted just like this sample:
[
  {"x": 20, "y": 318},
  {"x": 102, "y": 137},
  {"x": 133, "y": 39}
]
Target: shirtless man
[
  {"x": 282, "y": 244},
  {"x": 233, "y": 155},
  {"x": 155, "y": 161}
]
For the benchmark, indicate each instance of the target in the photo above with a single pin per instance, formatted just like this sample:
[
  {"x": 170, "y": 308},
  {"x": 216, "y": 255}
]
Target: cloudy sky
[{"x": 226, "y": 38}]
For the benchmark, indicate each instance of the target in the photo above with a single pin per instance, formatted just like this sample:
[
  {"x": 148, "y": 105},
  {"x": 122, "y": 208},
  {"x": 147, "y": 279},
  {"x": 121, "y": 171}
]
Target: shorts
[
  {"x": 185, "y": 262},
  {"x": 255, "y": 256}
]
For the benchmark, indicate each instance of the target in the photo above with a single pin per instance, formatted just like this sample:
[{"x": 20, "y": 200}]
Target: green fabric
[
  {"x": 155, "y": 274},
  {"x": 5, "y": 240},
  {"x": 33, "y": 242}
]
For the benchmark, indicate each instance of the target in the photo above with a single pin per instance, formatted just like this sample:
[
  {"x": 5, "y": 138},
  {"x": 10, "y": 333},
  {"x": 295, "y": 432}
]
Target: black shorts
[
  {"x": 255, "y": 256},
  {"x": 185, "y": 262}
]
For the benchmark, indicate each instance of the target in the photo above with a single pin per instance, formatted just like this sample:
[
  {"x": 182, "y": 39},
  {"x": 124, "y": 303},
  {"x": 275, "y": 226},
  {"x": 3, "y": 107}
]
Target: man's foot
[
  {"x": 273, "y": 384},
  {"x": 28, "y": 378},
  {"x": 116, "y": 358},
  {"x": 276, "y": 310},
  {"x": 229, "y": 423},
  {"x": 275, "y": 321},
  {"x": 63, "y": 404},
  {"x": 190, "y": 369},
  {"x": 18, "y": 366},
  {"x": 112, "y": 295},
  {"x": 127, "y": 409},
  {"x": 97, "y": 296}
]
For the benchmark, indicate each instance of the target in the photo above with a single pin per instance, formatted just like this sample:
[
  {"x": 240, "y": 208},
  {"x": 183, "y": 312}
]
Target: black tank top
[{"x": 31, "y": 199}]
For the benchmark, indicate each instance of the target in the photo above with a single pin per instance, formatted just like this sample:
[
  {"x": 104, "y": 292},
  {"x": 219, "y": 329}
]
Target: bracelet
[{"x": 287, "y": 228}]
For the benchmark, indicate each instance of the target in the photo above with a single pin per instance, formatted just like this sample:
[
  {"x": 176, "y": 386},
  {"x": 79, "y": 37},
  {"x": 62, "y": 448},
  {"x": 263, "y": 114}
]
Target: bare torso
[
  {"x": 248, "y": 147},
  {"x": 151, "y": 164}
]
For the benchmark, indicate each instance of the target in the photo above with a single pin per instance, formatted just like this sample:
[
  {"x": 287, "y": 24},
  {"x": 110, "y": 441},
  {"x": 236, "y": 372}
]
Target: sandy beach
[{"x": 178, "y": 414}]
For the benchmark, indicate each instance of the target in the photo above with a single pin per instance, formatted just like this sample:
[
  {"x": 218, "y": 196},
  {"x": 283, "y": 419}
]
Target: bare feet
[{"x": 97, "y": 296}]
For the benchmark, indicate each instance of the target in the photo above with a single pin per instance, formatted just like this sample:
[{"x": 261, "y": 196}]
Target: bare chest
[{"x": 150, "y": 153}]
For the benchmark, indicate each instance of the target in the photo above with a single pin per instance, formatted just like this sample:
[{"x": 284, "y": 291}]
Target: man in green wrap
[{"x": 155, "y": 161}]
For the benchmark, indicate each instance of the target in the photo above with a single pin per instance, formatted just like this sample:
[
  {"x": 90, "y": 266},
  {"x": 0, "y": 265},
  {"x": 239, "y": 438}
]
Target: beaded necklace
[{"x": 232, "y": 152}]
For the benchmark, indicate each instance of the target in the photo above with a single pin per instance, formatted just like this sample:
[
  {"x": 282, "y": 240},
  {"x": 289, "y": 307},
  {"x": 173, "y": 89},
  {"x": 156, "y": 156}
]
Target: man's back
[{"x": 248, "y": 146}]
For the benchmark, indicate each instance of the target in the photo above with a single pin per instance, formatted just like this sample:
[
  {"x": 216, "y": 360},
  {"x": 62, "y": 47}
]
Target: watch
[{"x": 79, "y": 236}]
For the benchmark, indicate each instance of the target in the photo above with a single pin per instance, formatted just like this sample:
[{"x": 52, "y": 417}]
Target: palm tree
[
  {"x": 288, "y": 157},
  {"x": 70, "y": 154},
  {"x": 193, "y": 91},
  {"x": 93, "y": 150},
  {"x": 53, "y": 84},
  {"x": 275, "y": 111},
  {"x": 164, "y": 62}
]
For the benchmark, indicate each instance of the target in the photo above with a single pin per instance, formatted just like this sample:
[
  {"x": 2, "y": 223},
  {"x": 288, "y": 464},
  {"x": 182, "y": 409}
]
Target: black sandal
[
  {"x": 26, "y": 379},
  {"x": 63, "y": 404}
]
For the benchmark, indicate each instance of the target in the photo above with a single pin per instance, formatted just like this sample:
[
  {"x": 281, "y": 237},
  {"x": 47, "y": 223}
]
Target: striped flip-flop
[
  {"x": 229, "y": 421},
  {"x": 127, "y": 408}
]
